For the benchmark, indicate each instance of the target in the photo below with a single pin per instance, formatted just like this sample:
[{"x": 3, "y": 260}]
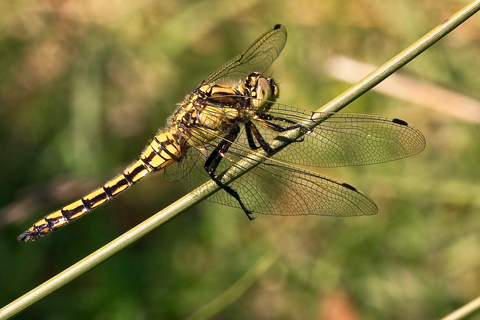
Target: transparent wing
[
  {"x": 256, "y": 58},
  {"x": 182, "y": 168},
  {"x": 344, "y": 139},
  {"x": 284, "y": 190}
]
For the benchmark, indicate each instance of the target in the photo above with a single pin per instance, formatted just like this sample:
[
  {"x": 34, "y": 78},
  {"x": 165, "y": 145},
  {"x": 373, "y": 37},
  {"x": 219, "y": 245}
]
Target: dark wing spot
[
  {"x": 400, "y": 122},
  {"x": 346, "y": 185}
]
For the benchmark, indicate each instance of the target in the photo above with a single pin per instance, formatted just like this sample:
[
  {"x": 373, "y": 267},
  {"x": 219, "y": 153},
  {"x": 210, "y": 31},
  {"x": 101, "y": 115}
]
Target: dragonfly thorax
[{"x": 213, "y": 110}]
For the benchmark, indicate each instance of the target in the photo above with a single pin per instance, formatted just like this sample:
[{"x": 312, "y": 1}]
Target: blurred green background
[{"x": 84, "y": 85}]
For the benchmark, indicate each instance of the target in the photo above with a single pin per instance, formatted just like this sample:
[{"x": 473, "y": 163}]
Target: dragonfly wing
[
  {"x": 256, "y": 58},
  {"x": 284, "y": 190},
  {"x": 180, "y": 169},
  {"x": 343, "y": 139}
]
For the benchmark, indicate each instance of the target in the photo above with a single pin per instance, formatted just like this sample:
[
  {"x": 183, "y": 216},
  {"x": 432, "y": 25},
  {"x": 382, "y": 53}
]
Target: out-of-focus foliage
[{"x": 85, "y": 84}]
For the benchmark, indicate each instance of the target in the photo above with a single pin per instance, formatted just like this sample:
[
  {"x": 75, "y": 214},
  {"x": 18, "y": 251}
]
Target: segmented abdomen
[{"x": 161, "y": 152}]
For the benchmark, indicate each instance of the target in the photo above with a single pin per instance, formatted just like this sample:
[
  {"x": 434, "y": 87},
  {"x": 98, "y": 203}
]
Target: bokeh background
[{"x": 85, "y": 84}]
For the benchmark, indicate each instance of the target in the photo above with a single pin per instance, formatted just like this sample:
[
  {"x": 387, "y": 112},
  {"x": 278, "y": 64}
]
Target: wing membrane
[
  {"x": 349, "y": 139},
  {"x": 256, "y": 58},
  {"x": 284, "y": 190},
  {"x": 344, "y": 139}
]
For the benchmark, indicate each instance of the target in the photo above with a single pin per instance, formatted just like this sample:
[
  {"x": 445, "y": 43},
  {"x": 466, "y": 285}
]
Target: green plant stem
[
  {"x": 466, "y": 310},
  {"x": 210, "y": 187}
]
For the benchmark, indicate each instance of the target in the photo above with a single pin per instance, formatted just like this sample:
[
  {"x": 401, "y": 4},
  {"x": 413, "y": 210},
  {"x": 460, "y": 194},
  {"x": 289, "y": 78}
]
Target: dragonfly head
[{"x": 263, "y": 90}]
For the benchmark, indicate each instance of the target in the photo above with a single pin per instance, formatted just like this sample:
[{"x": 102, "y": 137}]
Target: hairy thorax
[{"x": 212, "y": 110}]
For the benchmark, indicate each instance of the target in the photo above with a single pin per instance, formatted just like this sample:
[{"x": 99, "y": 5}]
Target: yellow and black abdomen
[{"x": 161, "y": 152}]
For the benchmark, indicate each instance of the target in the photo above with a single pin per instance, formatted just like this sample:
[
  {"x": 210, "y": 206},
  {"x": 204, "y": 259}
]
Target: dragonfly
[{"x": 233, "y": 114}]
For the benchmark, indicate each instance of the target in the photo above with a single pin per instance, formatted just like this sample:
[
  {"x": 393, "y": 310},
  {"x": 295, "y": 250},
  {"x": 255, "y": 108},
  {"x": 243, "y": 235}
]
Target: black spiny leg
[
  {"x": 213, "y": 161},
  {"x": 252, "y": 129},
  {"x": 248, "y": 130},
  {"x": 266, "y": 117},
  {"x": 264, "y": 120}
]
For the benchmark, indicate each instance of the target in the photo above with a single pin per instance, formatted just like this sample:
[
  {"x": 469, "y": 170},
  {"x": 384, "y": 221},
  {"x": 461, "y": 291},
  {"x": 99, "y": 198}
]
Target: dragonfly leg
[
  {"x": 250, "y": 128},
  {"x": 278, "y": 128},
  {"x": 264, "y": 120},
  {"x": 213, "y": 161},
  {"x": 268, "y": 117}
]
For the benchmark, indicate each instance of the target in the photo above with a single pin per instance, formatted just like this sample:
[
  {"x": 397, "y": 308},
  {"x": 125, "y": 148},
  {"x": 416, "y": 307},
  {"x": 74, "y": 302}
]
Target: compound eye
[
  {"x": 264, "y": 95},
  {"x": 264, "y": 90}
]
